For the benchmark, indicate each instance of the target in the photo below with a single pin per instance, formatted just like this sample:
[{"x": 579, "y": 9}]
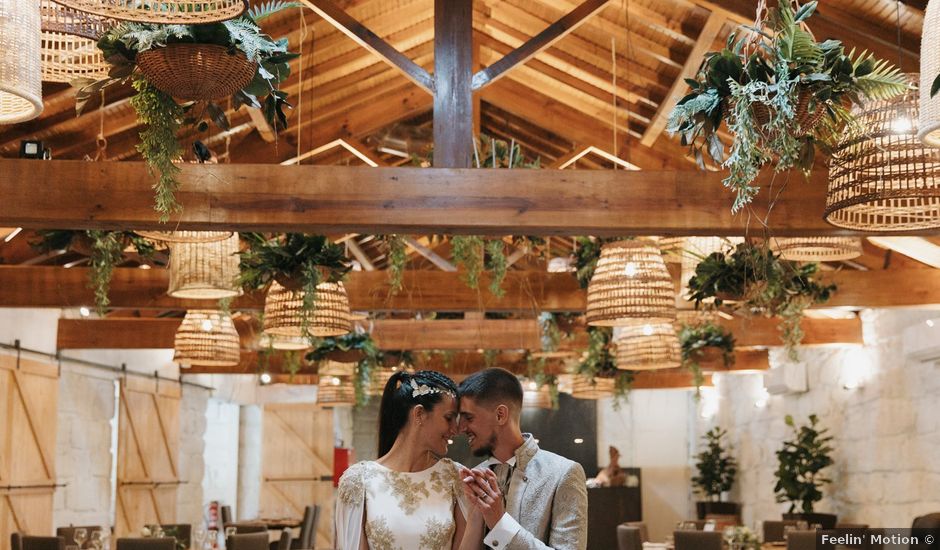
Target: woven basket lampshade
[
  {"x": 630, "y": 285},
  {"x": 284, "y": 343},
  {"x": 70, "y": 44},
  {"x": 283, "y": 311},
  {"x": 20, "y": 61},
  {"x": 885, "y": 179},
  {"x": 929, "y": 124},
  {"x": 380, "y": 377},
  {"x": 817, "y": 249},
  {"x": 333, "y": 391},
  {"x": 204, "y": 271},
  {"x": 186, "y": 236},
  {"x": 175, "y": 12},
  {"x": 196, "y": 72},
  {"x": 671, "y": 247},
  {"x": 336, "y": 368},
  {"x": 583, "y": 387},
  {"x": 648, "y": 347},
  {"x": 206, "y": 338},
  {"x": 537, "y": 399}
]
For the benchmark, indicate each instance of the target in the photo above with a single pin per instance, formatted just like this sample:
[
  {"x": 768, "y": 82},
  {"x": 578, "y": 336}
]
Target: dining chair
[
  {"x": 308, "y": 529},
  {"x": 628, "y": 538},
  {"x": 773, "y": 529},
  {"x": 248, "y": 527},
  {"x": 697, "y": 540},
  {"x": 284, "y": 542},
  {"x": 226, "y": 514},
  {"x": 182, "y": 532},
  {"x": 164, "y": 543},
  {"x": 19, "y": 541},
  {"x": 247, "y": 541},
  {"x": 644, "y": 532},
  {"x": 928, "y": 521},
  {"x": 68, "y": 533},
  {"x": 801, "y": 540}
]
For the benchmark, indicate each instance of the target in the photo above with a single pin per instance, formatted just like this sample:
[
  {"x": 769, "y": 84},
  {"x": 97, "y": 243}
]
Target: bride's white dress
[{"x": 400, "y": 510}]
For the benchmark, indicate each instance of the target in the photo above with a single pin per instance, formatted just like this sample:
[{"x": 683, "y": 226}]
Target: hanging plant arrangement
[
  {"x": 782, "y": 95},
  {"x": 599, "y": 361},
  {"x": 193, "y": 63},
  {"x": 696, "y": 339},
  {"x": 105, "y": 250},
  {"x": 757, "y": 281},
  {"x": 371, "y": 358}
]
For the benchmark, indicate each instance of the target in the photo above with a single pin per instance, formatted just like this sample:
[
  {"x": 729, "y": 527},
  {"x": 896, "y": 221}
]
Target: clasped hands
[{"x": 482, "y": 490}]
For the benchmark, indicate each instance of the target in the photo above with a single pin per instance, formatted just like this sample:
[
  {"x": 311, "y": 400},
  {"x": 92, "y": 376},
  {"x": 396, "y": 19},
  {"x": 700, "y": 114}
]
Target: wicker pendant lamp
[
  {"x": 333, "y": 391},
  {"x": 170, "y": 12},
  {"x": 885, "y": 179},
  {"x": 283, "y": 311},
  {"x": 929, "y": 124},
  {"x": 283, "y": 343},
  {"x": 817, "y": 249},
  {"x": 70, "y": 44},
  {"x": 583, "y": 387},
  {"x": 20, "y": 61},
  {"x": 380, "y": 377},
  {"x": 630, "y": 285},
  {"x": 540, "y": 398},
  {"x": 206, "y": 338},
  {"x": 186, "y": 236},
  {"x": 204, "y": 270},
  {"x": 648, "y": 347}
]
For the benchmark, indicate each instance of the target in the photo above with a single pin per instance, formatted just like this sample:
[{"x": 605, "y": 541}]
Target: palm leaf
[{"x": 269, "y": 8}]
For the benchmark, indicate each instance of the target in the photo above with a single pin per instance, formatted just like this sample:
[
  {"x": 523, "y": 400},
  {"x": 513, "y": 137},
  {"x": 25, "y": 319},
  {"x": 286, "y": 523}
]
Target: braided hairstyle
[{"x": 397, "y": 401}]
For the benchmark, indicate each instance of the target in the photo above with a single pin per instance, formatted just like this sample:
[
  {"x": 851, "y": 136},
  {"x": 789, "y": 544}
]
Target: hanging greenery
[
  {"x": 695, "y": 339},
  {"x": 759, "y": 281},
  {"x": 105, "y": 250},
  {"x": 372, "y": 358},
  {"x": 599, "y": 361},
  {"x": 160, "y": 112},
  {"x": 782, "y": 95},
  {"x": 467, "y": 251},
  {"x": 497, "y": 265},
  {"x": 397, "y": 258},
  {"x": 298, "y": 262},
  {"x": 535, "y": 371}
]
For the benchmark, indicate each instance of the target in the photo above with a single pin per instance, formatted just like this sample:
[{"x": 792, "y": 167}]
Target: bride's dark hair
[{"x": 398, "y": 400}]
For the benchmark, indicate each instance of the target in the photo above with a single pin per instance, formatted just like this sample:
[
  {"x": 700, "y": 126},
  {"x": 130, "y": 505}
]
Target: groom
[{"x": 529, "y": 498}]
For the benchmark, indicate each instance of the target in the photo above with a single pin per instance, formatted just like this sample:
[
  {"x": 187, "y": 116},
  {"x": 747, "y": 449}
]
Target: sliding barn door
[
  {"x": 297, "y": 464},
  {"x": 148, "y": 454},
  {"x": 28, "y": 399}
]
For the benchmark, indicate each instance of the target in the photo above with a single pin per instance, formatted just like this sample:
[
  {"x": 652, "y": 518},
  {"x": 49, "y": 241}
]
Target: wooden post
[{"x": 453, "y": 70}]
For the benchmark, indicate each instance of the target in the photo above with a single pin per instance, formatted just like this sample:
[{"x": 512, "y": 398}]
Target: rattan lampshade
[
  {"x": 630, "y": 285},
  {"x": 817, "y": 249},
  {"x": 20, "y": 61},
  {"x": 884, "y": 179},
  {"x": 336, "y": 368},
  {"x": 671, "y": 247},
  {"x": 186, "y": 236},
  {"x": 174, "y": 12},
  {"x": 333, "y": 391},
  {"x": 206, "y": 338},
  {"x": 283, "y": 311},
  {"x": 537, "y": 399},
  {"x": 284, "y": 343},
  {"x": 929, "y": 132},
  {"x": 380, "y": 377},
  {"x": 583, "y": 387},
  {"x": 204, "y": 270},
  {"x": 648, "y": 347},
  {"x": 70, "y": 44}
]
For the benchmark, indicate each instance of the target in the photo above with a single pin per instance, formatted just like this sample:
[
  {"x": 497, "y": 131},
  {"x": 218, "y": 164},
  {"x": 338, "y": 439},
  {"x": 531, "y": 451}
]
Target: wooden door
[
  {"x": 148, "y": 454},
  {"x": 29, "y": 393},
  {"x": 297, "y": 464}
]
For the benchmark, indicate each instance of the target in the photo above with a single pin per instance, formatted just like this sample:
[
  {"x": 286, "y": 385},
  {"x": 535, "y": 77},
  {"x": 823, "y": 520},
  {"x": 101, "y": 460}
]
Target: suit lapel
[{"x": 520, "y": 477}]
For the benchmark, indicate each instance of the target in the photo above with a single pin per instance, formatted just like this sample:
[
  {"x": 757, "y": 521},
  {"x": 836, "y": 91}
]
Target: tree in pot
[
  {"x": 716, "y": 472},
  {"x": 799, "y": 475}
]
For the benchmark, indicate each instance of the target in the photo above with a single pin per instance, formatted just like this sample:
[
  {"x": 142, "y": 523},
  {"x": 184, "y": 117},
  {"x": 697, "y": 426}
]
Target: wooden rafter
[{"x": 552, "y": 34}]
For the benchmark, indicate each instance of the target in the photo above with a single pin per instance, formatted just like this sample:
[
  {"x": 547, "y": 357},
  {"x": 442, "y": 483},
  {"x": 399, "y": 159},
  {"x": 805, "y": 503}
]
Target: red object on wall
[
  {"x": 212, "y": 515},
  {"x": 341, "y": 459}
]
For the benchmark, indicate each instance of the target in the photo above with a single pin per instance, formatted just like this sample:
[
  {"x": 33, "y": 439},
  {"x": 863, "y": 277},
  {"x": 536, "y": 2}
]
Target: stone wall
[
  {"x": 192, "y": 446},
  {"x": 887, "y": 430}
]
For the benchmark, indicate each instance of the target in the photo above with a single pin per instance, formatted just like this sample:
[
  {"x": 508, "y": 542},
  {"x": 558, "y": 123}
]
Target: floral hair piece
[{"x": 424, "y": 389}]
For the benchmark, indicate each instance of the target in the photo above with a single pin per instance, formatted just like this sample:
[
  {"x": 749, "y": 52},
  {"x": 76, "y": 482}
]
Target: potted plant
[
  {"x": 193, "y": 63},
  {"x": 105, "y": 250},
  {"x": 716, "y": 472},
  {"x": 699, "y": 341},
  {"x": 781, "y": 93},
  {"x": 799, "y": 474},
  {"x": 757, "y": 281}
]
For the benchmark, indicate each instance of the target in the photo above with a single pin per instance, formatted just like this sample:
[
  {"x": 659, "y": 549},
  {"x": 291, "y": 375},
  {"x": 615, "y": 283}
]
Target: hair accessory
[{"x": 424, "y": 389}]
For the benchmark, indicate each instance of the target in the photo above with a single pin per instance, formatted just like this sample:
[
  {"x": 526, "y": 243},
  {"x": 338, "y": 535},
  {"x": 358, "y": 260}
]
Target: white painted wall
[
  {"x": 220, "y": 457},
  {"x": 651, "y": 430}
]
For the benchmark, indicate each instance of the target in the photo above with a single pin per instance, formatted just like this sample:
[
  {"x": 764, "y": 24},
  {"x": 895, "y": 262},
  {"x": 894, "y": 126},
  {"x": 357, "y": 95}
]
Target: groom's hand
[{"x": 482, "y": 489}]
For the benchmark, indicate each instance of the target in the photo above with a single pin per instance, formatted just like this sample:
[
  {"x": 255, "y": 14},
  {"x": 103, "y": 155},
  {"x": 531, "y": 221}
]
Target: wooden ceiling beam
[
  {"x": 541, "y": 41},
  {"x": 370, "y": 41},
  {"x": 703, "y": 45},
  {"x": 916, "y": 248}
]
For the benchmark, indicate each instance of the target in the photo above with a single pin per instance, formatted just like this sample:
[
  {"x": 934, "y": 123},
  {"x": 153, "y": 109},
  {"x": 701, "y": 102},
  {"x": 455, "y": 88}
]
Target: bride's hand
[{"x": 483, "y": 491}]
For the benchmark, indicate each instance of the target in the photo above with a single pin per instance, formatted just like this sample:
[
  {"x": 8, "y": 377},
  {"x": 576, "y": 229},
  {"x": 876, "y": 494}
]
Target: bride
[{"x": 411, "y": 497}]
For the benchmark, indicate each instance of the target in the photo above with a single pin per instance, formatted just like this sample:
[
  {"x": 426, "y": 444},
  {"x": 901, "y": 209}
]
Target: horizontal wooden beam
[
  {"x": 344, "y": 199},
  {"x": 528, "y": 291}
]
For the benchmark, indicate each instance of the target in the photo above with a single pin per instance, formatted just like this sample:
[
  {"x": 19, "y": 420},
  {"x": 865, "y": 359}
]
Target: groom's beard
[{"x": 486, "y": 450}]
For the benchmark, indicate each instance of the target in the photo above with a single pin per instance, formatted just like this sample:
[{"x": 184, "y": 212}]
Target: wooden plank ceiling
[{"x": 607, "y": 83}]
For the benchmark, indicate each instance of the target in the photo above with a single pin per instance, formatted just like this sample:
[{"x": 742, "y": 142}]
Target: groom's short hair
[{"x": 493, "y": 385}]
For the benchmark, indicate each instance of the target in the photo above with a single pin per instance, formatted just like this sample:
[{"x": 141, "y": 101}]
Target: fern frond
[{"x": 267, "y": 9}]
